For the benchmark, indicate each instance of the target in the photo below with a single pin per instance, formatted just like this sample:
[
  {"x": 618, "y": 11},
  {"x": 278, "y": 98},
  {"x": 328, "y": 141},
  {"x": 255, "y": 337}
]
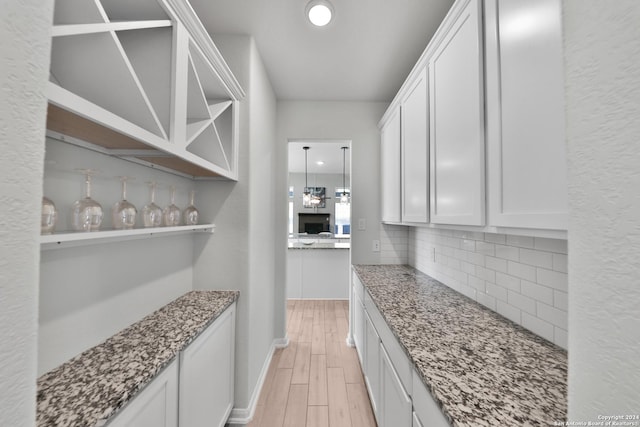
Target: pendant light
[
  {"x": 306, "y": 195},
  {"x": 344, "y": 199}
]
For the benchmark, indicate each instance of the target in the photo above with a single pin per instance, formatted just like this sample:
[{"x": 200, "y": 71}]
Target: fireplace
[{"x": 314, "y": 223}]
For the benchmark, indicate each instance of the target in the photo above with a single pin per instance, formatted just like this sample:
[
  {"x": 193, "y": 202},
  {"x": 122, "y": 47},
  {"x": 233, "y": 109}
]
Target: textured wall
[
  {"x": 602, "y": 56},
  {"x": 25, "y": 28}
]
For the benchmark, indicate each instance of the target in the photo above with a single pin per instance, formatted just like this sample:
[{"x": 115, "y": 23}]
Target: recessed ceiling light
[
  {"x": 319, "y": 163},
  {"x": 319, "y": 12}
]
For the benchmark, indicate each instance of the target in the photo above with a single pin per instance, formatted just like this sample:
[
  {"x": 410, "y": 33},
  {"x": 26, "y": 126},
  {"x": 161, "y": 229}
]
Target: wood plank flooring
[{"x": 316, "y": 381}]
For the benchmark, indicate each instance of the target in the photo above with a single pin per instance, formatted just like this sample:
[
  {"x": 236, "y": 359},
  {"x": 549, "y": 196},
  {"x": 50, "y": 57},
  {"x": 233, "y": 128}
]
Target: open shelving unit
[
  {"x": 144, "y": 82},
  {"x": 81, "y": 238}
]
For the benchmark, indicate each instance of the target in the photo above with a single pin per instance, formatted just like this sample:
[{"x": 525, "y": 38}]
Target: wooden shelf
[{"x": 79, "y": 238}]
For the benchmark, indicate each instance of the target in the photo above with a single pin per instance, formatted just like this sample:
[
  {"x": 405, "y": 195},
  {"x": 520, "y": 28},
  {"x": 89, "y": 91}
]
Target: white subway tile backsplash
[
  {"x": 468, "y": 245},
  {"x": 486, "y": 300},
  {"x": 485, "y": 273},
  {"x": 497, "y": 264},
  {"x": 467, "y": 267},
  {"x": 561, "y": 300},
  {"x": 538, "y": 326},
  {"x": 551, "y": 314},
  {"x": 522, "y": 271},
  {"x": 508, "y": 282},
  {"x": 477, "y": 283},
  {"x": 508, "y": 252},
  {"x": 520, "y": 241},
  {"x": 560, "y": 262},
  {"x": 554, "y": 279},
  {"x": 496, "y": 291},
  {"x": 522, "y": 278},
  {"x": 536, "y": 258},
  {"x": 486, "y": 248},
  {"x": 560, "y": 337},
  {"x": 551, "y": 245},
  {"x": 495, "y": 238},
  {"x": 522, "y": 302},
  {"x": 510, "y": 312},
  {"x": 475, "y": 258},
  {"x": 537, "y": 292}
]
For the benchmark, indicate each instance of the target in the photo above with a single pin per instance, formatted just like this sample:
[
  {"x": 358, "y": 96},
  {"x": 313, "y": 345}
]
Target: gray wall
[
  {"x": 353, "y": 121},
  {"x": 602, "y": 53},
  {"x": 240, "y": 254},
  {"x": 25, "y": 28}
]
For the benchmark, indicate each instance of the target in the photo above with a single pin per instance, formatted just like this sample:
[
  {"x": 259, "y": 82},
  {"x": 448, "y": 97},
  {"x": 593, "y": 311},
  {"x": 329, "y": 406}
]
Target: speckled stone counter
[
  {"x": 320, "y": 245},
  {"x": 90, "y": 388},
  {"x": 482, "y": 369}
]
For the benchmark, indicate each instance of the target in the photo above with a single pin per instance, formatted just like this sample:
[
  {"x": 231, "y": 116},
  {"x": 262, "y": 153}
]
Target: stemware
[
  {"x": 190, "y": 212},
  {"x": 49, "y": 216},
  {"x": 124, "y": 212},
  {"x": 171, "y": 214},
  {"x": 86, "y": 213},
  {"x": 151, "y": 213}
]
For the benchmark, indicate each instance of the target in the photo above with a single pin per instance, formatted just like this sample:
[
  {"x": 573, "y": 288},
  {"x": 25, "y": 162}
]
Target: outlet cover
[{"x": 376, "y": 246}]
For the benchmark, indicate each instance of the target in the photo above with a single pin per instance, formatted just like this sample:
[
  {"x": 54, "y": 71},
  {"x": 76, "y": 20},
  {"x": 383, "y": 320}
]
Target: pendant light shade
[
  {"x": 306, "y": 195},
  {"x": 344, "y": 198}
]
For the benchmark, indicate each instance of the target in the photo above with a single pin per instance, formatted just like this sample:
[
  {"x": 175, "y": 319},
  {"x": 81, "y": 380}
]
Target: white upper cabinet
[
  {"x": 456, "y": 89},
  {"x": 390, "y": 168},
  {"x": 415, "y": 151},
  {"x": 525, "y": 114},
  {"x": 143, "y": 81}
]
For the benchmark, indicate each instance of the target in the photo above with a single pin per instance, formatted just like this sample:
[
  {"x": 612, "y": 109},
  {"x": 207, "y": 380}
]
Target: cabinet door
[
  {"x": 390, "y": 168},
  {"x": 155, "y": 406},
  {"x": 395, "y": 404},
  {"x": 358, "y": 328},
  {"x": 415, "y": 152},
  {"x": 207, "y": 374},
  {"x": 457, "y": 122},
  {"x": 525, "y": 114},
  {"x": 372, "y": 362}
]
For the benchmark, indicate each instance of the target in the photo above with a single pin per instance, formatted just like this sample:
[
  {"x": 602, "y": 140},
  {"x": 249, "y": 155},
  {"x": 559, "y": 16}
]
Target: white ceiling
[
  {"x": 329, "y": 152},
  {"x": 364, "y": 54}
]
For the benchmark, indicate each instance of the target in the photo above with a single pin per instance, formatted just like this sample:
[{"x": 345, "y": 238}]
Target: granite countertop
[
  {"x": 90, "y": 388},
  {"x": 320, "y": 245},
  {"x": 482, "y": 369}
]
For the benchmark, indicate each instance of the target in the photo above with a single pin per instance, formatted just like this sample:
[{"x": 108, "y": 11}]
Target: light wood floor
[{"x": 316, "y": 381}]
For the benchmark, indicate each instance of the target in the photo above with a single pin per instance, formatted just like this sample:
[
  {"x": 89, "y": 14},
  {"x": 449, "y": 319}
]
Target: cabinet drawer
[
  {"x": 426, "y": 410},
  {"x": 397, "y": 355}
]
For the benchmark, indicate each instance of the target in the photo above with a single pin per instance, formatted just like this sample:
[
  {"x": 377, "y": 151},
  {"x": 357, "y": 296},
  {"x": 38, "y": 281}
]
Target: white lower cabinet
[
  {"x": 371, "y": 365},
  {"x": 426, "y": 411},
  {"x": 207, "y": 375},
  {"x": 204, "y": 376},
  {"x": 395, "y": 407},
  {"x": 358, "y": 325},
  {"x": 156, "y": 405}
]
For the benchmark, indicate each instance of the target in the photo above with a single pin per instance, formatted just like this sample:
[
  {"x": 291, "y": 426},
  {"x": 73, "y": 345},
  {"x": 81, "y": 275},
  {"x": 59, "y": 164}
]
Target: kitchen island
[
  {"x": 318, "y": 267},
  {"x": 479, "y": 368},
  {"x": 94, "y": 386}
]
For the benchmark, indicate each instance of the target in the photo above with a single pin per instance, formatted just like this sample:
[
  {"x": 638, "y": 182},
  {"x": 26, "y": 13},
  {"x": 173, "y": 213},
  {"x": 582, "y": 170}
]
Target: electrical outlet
[
  {"x": 362, "y": 224},
  {"x": 376, "y": 246}
]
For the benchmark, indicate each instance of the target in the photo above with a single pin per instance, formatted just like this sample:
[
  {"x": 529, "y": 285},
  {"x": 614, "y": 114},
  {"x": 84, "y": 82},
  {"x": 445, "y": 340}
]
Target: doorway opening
[{"x": 319, "y": 219}]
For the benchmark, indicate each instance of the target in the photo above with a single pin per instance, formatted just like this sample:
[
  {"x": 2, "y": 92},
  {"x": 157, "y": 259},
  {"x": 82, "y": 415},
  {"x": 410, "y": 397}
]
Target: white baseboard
[{"x": 242, "y": 416}]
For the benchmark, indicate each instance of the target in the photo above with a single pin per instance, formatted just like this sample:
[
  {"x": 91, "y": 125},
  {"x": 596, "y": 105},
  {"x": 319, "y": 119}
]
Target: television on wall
[{"x": 318, "y": 197}]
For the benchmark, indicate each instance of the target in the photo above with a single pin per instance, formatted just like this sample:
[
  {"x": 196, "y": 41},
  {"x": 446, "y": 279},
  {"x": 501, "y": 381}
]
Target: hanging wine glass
[
  {"x": 190, "y": 212},
  {"x": 86, "y": 213},
  {"x": 171, "y": 214},
  {"x": 49, "y": 216},
  {"x": 123, "y": 212},
  {"x": 151, "y": 213}
]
